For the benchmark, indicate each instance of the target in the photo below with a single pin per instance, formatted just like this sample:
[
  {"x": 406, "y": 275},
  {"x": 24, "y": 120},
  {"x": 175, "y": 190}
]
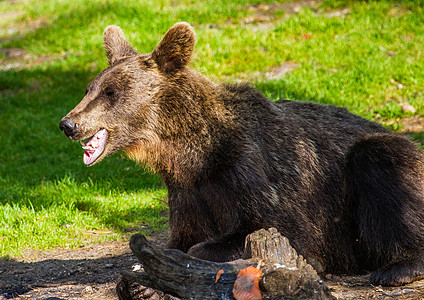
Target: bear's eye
[
  {"x": 147, "y": 63},
  {"x": 86, "y": 91},
  {"x": 109, "y": 92}
]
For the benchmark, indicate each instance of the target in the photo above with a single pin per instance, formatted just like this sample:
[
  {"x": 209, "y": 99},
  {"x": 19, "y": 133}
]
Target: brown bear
[{"x": 347, "y": 193}]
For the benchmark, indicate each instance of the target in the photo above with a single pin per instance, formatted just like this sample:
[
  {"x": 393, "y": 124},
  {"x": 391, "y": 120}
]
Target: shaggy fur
[{"x": 346, "y": 192}]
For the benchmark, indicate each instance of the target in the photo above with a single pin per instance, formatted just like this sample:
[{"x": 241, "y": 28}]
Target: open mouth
[{"x": 94, "y": 147}]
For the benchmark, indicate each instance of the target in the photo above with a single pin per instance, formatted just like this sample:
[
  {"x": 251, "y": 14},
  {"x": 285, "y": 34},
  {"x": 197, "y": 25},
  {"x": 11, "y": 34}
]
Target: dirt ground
[
  {"x": 91, "y": 273},
  {"x": 85, "y": 273}
]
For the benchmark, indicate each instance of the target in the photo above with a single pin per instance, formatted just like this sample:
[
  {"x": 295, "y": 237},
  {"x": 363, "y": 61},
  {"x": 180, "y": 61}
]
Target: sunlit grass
[{"x": 48, "y": 198}]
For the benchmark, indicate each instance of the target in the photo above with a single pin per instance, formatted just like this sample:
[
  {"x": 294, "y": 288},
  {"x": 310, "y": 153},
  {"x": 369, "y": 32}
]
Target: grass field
[{"x": 368, "y": 57}]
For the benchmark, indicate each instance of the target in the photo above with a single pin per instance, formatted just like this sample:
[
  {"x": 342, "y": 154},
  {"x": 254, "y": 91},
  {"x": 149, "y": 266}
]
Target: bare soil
[
  {"x": 91, "y": 273},
  {"x": 84, "y": 273}
]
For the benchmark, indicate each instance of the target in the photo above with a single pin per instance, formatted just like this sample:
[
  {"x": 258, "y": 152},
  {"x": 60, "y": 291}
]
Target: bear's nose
[{"x": 68, "y": 127}]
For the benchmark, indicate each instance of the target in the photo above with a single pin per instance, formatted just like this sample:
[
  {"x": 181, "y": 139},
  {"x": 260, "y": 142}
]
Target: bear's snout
[{"x": 68, "y": 127}]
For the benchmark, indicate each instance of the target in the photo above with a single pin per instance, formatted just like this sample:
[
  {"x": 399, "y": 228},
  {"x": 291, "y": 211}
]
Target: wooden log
[
  {"x": 286, "y": 275},
  {"x": 179, "y": 274}
]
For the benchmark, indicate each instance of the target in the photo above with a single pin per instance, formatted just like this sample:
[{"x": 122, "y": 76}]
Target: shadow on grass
[
  {"x": 33, "y": 101},
  {"x": 41, "y": 171},
  {"x": 39, "y": 162},
  {"x": 36, "y": 158},
  {"x": 34, "y": 150}
]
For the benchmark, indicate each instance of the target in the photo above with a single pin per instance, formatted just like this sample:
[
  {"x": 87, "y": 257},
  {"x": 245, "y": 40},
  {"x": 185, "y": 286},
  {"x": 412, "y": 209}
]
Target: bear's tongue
[{"x": 94, "y": 147}]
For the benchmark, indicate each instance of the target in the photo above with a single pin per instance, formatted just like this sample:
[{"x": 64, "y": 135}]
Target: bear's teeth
[{"x": 94, "y": 146}]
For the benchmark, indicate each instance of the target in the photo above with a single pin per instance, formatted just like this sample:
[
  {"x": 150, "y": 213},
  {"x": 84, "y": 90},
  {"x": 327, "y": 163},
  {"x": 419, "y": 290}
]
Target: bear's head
[{"x": 124, "y": 104}]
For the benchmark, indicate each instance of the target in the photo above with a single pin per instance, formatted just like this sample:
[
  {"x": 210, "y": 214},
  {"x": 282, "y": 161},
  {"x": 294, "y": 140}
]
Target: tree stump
[{"x": 286, "y": 275}]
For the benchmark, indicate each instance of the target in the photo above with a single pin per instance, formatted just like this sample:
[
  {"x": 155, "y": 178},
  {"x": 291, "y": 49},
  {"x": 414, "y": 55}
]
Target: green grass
[{"x": 49, "y": 199}]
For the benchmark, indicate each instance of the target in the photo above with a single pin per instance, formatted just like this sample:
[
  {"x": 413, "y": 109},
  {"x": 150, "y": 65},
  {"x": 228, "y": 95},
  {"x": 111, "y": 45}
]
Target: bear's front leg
[{"x": 221, "y": 249}]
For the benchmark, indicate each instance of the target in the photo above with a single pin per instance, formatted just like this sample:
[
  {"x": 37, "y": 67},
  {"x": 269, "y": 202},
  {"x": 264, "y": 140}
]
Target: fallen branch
[{"x": 285, "y": 274}]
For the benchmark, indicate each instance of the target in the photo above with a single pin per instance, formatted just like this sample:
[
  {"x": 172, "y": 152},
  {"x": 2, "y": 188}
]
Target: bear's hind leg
[
  {"x": 385, "y": 188},
  {"x": 400, "y": 272}
]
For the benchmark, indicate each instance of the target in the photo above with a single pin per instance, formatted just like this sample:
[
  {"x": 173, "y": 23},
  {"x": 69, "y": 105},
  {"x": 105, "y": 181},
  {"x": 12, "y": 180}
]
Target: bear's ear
[
  {"x": 176, "y": 48},
  {"x": 115, "y": 44}
]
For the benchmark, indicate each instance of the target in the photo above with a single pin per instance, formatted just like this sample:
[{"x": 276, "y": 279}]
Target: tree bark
[{"x": 286, "y": 275}]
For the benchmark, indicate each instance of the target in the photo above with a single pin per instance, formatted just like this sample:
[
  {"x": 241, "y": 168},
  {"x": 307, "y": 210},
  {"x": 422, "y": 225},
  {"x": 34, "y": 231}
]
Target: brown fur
[{"x": 348, "y": 194}]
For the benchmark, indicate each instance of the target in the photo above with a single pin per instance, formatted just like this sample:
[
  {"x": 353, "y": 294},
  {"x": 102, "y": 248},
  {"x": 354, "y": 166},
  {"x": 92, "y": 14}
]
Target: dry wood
[{"x": 286, "y": 275}]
